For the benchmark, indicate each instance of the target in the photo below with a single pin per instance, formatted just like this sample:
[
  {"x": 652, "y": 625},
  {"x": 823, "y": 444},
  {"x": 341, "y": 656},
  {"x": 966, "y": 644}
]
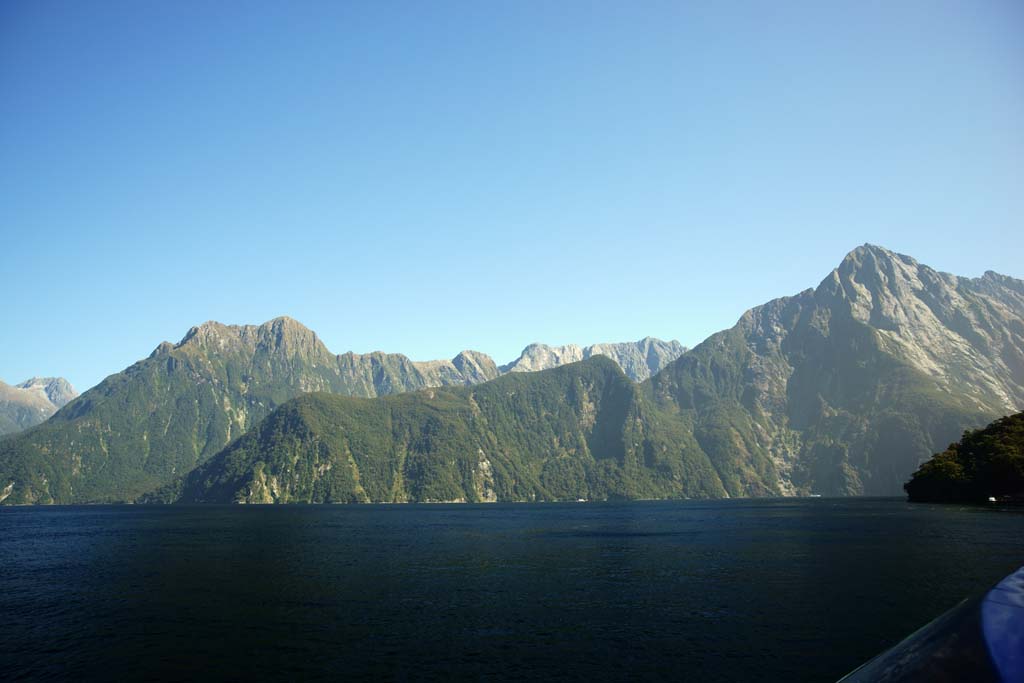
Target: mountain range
[
  {"x": 32, "y": 402},
  {"x": 164, "y": 415},
  {"x": 843, "y": 389}
]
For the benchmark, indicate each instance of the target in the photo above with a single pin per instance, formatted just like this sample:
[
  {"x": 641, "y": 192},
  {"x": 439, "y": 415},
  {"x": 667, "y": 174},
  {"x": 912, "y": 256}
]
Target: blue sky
[{"x": 427, "y": 177}]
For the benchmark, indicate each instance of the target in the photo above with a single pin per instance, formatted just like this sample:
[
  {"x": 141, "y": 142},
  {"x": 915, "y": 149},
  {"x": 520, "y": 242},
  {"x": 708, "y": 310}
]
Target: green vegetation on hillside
[
  {"x": 839, "y": 390},
  {"x": 579, "y": 431},
  {"x": 159, "y": 418},
  {"x": 985, "y": 463}
]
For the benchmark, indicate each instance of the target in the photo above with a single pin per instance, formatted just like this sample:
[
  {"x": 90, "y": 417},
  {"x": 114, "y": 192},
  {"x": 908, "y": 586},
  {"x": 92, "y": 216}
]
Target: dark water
[{"x": 730, "y": 590}]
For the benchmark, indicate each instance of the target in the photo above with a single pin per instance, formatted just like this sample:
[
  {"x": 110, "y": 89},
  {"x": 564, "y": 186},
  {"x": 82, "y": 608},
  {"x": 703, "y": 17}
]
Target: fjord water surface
[{"x": 724, "y": 590}]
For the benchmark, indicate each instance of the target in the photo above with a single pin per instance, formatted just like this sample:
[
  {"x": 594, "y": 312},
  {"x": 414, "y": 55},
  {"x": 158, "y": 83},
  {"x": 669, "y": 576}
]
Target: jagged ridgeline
[
  {"x": 162, "y": 416},
  {"x": 582, "y": 430}
]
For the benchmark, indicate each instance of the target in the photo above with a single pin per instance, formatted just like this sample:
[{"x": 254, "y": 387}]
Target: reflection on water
[{"x": 782, "y": 589}]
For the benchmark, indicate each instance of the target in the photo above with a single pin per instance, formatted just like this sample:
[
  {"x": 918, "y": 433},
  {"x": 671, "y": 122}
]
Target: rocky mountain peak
[
  {"x": 541, "y": 356},
  {"x": 161, "y": 349},
  {"x": 203, "y": 334},
  {"x": 639, "y": 359},
  {"x": 872, "y": 266},
  {"x": 57, "y": 389},
  {"x": 478, "y": 366},
  {"x": 886, "y": 290},
  {"x": 958, "y": 331},
  {"x": 33, "y": 401},
  {"x": 869, "y": 251},
  {"x": 279, "y": 336},
  {"x": 287, "y": 335},
  {"x": 1007, "y": 290}
]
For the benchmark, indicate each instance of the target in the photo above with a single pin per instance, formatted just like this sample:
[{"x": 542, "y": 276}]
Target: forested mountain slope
[{"x": 582, "y": 430}]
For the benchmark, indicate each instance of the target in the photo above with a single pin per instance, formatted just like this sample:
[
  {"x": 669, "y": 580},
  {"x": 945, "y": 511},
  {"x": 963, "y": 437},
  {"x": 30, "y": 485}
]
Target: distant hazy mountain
[
  {"x": 846, "y": 388},
  {"x": 639, "y": 360},
  {"x": 582, "y": 430},
  {"x": 31, "y": 402}
]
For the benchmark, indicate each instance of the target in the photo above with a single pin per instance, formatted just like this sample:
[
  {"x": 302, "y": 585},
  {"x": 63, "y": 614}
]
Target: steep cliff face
[
  {"x": 32, "y": 402},
  {"x": 966, "y": 334},
  {"x": 846, "y": 388},
  {"x": 639, "y": 360}
]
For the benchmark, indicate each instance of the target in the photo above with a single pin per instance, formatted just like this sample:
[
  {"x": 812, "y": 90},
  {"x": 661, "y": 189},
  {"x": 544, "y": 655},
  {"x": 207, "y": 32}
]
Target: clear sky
[{"x": 425, "y": 177}]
